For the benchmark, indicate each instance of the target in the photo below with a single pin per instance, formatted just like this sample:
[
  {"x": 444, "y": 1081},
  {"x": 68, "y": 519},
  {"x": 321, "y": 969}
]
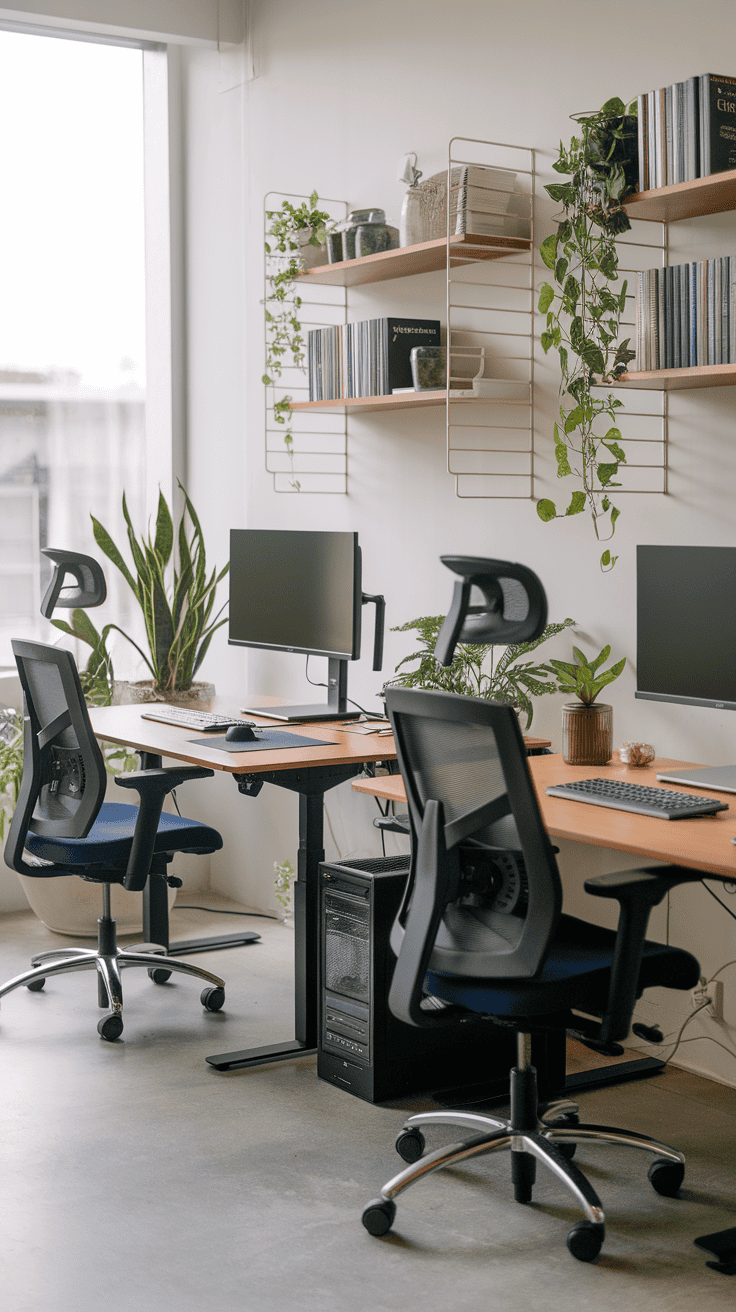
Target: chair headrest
[
  {"x": 513, "y": 606},
  {"x": 86, "y": 573}
]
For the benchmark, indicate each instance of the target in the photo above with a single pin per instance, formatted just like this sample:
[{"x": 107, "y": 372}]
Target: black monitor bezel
[{"x": 357, "y": 606}]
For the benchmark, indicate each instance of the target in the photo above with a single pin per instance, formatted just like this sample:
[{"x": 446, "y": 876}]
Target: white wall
[{"x": 342, "y": 92}]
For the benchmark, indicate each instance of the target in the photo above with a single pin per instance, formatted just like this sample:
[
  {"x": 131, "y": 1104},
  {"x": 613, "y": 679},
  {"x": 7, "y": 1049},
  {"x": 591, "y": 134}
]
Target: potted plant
[
  {"x": 476, "y": 670},
  {"x": 177, "y": 611},
  {"x": 295, "y": 232},
  {"x": 587, "y": 729},
  {"x": 583, "y": 309}
]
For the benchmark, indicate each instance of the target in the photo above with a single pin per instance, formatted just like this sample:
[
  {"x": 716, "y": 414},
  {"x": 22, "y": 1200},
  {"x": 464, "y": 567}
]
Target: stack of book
[
  {"x": 687, "y": 131},
  {"x": 686, "y": 315},
  {"x": 368, "y": 358}
]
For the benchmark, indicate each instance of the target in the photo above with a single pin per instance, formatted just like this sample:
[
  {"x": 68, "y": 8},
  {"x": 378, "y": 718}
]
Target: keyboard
[
  {"x": 202, "y": 721},
  {"x": 644, "y": 799}
]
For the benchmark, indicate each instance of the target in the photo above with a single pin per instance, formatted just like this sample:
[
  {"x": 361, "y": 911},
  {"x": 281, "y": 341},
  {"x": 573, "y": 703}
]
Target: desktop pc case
[{"x": 363, "y": 1048}]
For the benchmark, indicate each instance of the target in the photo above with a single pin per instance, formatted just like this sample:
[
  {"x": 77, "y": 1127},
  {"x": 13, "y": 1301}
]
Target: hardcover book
[{"x": 717, "y": 123}]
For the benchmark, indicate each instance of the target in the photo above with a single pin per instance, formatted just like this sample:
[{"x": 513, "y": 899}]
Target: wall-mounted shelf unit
[
  {"x": 489, "y": 303},
  {"x": 679, "y": 380}
]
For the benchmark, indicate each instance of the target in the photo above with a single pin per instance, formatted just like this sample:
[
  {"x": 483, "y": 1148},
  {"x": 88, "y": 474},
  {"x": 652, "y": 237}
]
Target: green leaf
[
  {"x": 560, "y": 270},
  {"x": 616, "y": 451},
  {"x": 605, "y": 473},
  {"x": 577, "y": 503},
  {"x": 546, "y": 510},
  {"x": 548, "y": 250},
  {"x": 614, "y": 516},
  {"x": 164, "y": 539},
  {"x": 546, "y": 297}
]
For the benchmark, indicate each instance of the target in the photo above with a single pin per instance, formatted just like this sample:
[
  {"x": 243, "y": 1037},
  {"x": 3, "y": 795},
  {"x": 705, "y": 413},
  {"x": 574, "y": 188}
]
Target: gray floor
[{"x": 135, "y": 1177}]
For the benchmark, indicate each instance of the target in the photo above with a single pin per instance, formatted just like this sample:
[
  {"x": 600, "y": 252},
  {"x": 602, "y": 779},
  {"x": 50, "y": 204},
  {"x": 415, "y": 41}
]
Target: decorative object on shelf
[
  {"x": 364, "y": 232},
  {"x": 178, "y": 620},
  {"x": 482, "y": 201},
  {"x": 583, "y": 312},
  {"x": 686, "y": 131},
  {"x": 475, "y": 669},
  {"x": 285, "y": 245},
  {"x": 310, "y": 254},
  {"x": 637, "y": 754},
  {"x": 365, "y": 359},
  {"x": 428, "y": 367},
  {"x": 587, "y": 729}
]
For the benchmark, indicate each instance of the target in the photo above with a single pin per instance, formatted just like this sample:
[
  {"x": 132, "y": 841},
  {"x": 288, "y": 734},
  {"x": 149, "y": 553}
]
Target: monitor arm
[{"x": 380, "y": 604}]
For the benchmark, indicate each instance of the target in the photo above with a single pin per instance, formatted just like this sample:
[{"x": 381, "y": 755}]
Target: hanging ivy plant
[
  {"x": 583, "y": 310},
  {"x": 284, "y": 338}
]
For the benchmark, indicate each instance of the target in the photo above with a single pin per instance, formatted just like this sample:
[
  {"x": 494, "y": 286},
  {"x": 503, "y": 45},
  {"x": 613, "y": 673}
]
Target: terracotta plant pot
[{"x": 587, "y": 733}]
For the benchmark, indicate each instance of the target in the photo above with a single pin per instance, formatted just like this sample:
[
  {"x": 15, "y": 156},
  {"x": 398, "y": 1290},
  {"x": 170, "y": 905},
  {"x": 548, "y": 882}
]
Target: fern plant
[
  {"x": 476, "y": 670},
  {"x": 584, "y": 307},
  {"x": 178, "y": 619}
]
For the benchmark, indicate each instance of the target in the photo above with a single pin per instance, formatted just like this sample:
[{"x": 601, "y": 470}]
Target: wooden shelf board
[
  {"x": 351, "y": 404},
  {"x": 677, "y": 380},
  {"x": 406, "y": 260},
  {"x": 685, "y": 200}
]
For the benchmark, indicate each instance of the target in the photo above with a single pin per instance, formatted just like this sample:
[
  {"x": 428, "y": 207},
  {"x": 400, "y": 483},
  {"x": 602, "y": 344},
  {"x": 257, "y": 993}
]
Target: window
[{"x": 72, "y": 326}]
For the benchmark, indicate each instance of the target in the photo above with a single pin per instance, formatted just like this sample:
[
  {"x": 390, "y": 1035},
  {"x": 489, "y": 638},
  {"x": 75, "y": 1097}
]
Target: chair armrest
[
  {"x": 163, "y": 779},
  {"x": 636, "y": 891},
  {"x": 152, "y": 787}
]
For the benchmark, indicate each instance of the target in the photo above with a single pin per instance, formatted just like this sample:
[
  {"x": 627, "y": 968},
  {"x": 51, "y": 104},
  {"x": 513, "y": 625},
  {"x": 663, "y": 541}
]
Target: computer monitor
[
  {"x": 300, "y": 591},
  {"x": 686, "y": 637}
]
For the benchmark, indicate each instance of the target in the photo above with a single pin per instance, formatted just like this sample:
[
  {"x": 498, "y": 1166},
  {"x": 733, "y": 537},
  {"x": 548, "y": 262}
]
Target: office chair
[
  {"x": 62, "y": 826},
  {"x": 481, "y": 929}
]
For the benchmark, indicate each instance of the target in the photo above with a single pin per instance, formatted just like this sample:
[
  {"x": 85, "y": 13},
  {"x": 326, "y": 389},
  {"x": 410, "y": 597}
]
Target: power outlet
[{"x": 712, "y": 994}]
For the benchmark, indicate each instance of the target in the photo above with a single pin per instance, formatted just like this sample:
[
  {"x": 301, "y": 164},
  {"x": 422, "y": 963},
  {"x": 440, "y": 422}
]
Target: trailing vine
[
  {"x": 284, "y": 335},
  {"x": 583, "y": 310}
]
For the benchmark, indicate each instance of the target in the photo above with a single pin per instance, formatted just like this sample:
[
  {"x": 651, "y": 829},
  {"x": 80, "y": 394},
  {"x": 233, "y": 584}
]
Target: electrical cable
[
  {"x": 370, "y": 715},
  {"x": 217, "y": 911},
  {"x": 715, "y": 897}
]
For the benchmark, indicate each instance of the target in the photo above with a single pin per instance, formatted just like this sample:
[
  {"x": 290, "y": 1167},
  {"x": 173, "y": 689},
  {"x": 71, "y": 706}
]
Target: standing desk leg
[
  {"x": 311, "y": 784},
  {"x": 156, "y": 905}
]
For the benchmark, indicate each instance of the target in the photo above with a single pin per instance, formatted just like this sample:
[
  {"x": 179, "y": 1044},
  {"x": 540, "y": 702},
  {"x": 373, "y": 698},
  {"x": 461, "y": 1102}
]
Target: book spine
[
  {"x": 640, "y": 321},
  {"x": 641, "y": 128},
  {"x": 718, "y": 135},
  {"x": 669, "y": 172},
  {"x": 692, "y": 130},
  {"x": 684, "y": 315},
  {"x": 651, "y": 137}
]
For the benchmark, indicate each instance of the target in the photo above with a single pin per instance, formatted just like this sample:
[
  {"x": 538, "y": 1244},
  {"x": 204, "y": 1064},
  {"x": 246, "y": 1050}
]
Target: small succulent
[{"x": 582, "y": 678}]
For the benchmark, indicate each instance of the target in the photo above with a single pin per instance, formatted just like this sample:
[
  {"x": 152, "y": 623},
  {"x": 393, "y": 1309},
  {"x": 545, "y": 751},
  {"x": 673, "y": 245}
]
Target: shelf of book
[
  {"x": 399, "y": 401},
  {"x": 677, "y": 380},
  {"x": 428, "y": 257},
  {"x": 685, "y": 200}
]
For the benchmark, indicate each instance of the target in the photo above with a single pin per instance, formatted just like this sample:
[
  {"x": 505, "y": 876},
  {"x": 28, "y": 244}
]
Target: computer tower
[{"x": 363, "y": 1048}]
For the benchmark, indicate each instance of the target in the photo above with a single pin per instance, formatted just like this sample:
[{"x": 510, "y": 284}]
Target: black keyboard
[{"x": 644, "y": 799}]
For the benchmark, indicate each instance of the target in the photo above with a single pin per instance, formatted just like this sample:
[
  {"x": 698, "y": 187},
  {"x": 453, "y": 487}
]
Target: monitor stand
[
  {"x": 336, "y": 707},
  {"x": 721, "y": 778}
]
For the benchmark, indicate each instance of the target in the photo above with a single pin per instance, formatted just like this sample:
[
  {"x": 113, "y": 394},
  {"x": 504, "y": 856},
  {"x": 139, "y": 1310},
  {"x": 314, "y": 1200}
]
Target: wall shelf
[
  {"x": 427, "y": 257},
  {"x": 685, "y": 200},
  {"x": 508, "y": 392},
  {"x": 678, "y": 380}
]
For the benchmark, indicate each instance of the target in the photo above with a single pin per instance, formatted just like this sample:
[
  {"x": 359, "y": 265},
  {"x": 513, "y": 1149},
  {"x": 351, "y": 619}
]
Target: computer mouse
[{"x": 240, "y": 733}]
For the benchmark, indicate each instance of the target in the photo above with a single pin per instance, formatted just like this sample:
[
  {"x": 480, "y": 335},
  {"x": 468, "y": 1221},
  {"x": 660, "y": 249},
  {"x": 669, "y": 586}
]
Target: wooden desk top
[
  {"x": 124, "y": 724},
  {"x": 700, "y": 844}
]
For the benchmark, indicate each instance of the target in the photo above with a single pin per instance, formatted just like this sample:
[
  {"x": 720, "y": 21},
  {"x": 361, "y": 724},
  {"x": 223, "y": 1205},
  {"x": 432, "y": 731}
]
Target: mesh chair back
[
  {"x": 468, "y": 755},
  {"x": 64, "y": 777}
]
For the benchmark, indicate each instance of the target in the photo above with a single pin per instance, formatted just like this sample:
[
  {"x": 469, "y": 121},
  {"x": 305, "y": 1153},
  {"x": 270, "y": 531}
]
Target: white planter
[{"x": 69, "y": 905}]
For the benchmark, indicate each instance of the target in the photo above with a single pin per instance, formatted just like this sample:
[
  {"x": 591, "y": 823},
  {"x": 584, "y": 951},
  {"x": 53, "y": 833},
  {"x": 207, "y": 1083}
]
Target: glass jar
[
  {"x": 428, "y": 367},
  {"x": 587, "y": 733},
  {"x": 358, "y": 219}
]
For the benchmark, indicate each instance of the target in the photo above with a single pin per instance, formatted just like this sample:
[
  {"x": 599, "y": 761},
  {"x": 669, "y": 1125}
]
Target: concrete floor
[{"x": 136, "y": 1177}]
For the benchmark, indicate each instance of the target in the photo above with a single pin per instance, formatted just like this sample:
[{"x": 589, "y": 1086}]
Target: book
[
  {"x": 368, "y": 358},
  {"x": 717, "y": 96}
]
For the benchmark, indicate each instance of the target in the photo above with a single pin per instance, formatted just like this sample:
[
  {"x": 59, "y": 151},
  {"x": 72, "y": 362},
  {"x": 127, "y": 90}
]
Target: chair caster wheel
[
  {"x": 410, "y": 1145},
  {"x": 110, "y": 1027},
  {"x": 213, "y": 999},
  {"x": 35, "y": 985},
  {"x": 378, "y": 1216},
  {"x": 666, "y": 1177},
  {"x": 159, "y": 975},
  {"x": 585, "y": 1239}
]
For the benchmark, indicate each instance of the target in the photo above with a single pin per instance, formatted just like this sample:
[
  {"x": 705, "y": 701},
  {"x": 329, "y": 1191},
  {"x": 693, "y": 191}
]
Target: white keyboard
[{"x": 184, "y": 718}]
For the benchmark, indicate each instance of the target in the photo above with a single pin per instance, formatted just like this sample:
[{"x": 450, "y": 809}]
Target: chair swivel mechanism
[
  {"x": 481, "y": 931},
  {"x": 62, "y": 826}
]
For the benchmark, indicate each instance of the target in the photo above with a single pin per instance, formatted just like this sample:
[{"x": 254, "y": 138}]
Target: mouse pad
[{"x": 272, "y": 738}]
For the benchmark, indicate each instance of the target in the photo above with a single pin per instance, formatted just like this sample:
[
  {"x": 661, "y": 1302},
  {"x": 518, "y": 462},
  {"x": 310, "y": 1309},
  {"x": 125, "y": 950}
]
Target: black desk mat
[{"x": 270, "y": 738}]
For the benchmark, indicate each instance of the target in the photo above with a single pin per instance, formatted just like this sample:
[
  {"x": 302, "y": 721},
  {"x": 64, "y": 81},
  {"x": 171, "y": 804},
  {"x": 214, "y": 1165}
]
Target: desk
[
  {"x": 703, "y": 844},
  {"x": 310, "y": 772}
]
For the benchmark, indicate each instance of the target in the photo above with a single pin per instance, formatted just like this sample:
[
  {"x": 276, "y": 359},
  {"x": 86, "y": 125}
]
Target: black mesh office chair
[
  {"x": 62, "y": 826},
  {"x": 481, "y": 930}
]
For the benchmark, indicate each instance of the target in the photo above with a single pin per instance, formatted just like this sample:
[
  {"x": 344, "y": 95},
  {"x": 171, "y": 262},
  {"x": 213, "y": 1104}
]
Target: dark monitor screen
[
  {"x": 294, "y": 590},
  {"x": 686, "y": 625}
]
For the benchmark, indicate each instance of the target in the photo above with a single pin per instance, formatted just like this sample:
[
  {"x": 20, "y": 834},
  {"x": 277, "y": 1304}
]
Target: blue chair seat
[
  {"x": 576, "y": 972},
  {"x": 109, "y": 840}
]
